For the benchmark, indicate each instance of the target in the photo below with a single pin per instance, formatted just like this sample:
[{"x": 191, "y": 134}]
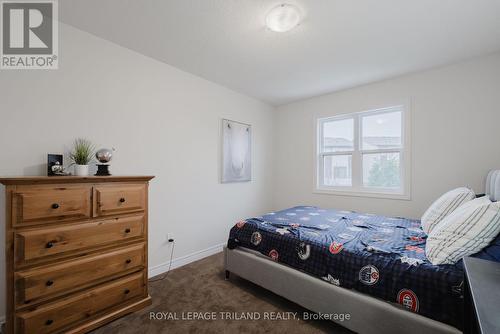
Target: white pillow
[
  {"x": 445, "y": 205},
  {"x": 464, "y": 232}
]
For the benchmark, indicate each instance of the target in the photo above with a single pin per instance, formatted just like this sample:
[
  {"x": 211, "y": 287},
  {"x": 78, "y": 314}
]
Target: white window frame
[{"x": 357, "y": 188}]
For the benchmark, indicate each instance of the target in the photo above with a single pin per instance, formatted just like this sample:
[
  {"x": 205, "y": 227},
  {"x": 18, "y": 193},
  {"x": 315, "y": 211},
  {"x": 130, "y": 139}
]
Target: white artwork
[{"x": 236, "y": 151}]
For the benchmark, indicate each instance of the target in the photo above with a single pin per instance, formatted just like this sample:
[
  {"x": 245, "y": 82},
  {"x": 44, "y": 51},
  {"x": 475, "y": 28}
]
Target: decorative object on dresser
[
  {"x": 55, "y": 165},
  {"x": 82, "y": 155},
  {"x": 76, "y": 251},
  {"x": 104, "y": 156}
]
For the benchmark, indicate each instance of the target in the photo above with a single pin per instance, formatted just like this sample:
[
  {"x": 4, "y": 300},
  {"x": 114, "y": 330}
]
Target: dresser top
[
  {"x": 15, "y": 180},
  {"x": 483, "y": 282}
]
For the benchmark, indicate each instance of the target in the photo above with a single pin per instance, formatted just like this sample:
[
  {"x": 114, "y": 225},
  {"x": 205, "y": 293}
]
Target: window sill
[{"x": 360, "y": 193}]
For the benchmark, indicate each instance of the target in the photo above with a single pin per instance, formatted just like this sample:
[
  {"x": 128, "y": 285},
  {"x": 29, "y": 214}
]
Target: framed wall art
[{"x": 236, "y": 151}]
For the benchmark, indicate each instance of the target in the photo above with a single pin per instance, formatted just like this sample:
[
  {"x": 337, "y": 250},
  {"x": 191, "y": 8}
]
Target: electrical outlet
[{"x": 170, "y": 237}]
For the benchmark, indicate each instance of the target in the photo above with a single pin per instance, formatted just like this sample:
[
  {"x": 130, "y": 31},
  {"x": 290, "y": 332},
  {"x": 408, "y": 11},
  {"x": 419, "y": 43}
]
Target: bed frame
[{"x": 367, "y": 314}]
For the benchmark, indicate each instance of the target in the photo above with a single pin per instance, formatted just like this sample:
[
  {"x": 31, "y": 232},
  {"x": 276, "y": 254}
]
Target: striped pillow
[
  {"x": 464, "y": 232},
  {"x": 445, "y": 205}
]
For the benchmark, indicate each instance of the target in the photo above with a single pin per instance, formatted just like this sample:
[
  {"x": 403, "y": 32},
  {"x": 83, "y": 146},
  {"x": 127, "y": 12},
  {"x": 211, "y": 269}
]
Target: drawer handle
[
  {"x": 55, "y": 206},
  {"x": 49, "y": 322},
  {"x": 127, "y": 230},
  {"x": 128, "y": 261},
  {"x": 49, "y": 282},
  {"x": 49, "y": 244},
  {"x": 122, "y": 200},
  {"x": 127, "y": 291}
]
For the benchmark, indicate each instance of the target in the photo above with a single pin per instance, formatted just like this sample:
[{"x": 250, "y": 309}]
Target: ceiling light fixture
[{"x": 283, "y": 18}]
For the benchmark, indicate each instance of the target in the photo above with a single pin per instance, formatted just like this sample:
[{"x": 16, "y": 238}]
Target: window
[{"x": 363, "y": 153}]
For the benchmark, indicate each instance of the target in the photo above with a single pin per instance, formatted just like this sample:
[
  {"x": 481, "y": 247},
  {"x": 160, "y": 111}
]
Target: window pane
[
  {"x": 381, "y": 170},
  {"x": 337, "y": 170},
  {"x": 382, "y": 131},
  {"x": 338, "y": 136}
]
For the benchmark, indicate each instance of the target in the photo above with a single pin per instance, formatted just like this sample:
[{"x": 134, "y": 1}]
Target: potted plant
[{"x": 82, "y": 155}]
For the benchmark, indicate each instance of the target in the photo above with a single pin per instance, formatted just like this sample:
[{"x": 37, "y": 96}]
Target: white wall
[
  {"x": 162, "y": 121},
  {"x": 165, "y": 122},
  {"x": 455, "y": 135}
]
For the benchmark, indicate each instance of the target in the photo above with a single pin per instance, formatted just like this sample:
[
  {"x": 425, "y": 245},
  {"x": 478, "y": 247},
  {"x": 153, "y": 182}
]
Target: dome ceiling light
[{"x": 283, "y": 18}]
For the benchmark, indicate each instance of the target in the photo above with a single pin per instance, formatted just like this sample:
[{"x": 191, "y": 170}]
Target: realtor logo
[{"x": 29, "y": 34}]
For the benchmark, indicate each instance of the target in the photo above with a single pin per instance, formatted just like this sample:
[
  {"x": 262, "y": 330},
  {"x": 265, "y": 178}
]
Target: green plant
[
  {"x": 83, "y": 152},
  {"x": 384, "y": 172}
]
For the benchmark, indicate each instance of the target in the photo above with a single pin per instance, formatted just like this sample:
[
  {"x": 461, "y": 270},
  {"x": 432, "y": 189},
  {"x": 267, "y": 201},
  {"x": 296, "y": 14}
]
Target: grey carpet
[{"x": 200, "y": 287}]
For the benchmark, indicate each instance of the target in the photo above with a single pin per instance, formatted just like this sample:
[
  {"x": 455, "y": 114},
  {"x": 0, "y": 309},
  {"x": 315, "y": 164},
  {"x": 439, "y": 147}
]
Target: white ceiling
[{"x": 340, "y": 43}]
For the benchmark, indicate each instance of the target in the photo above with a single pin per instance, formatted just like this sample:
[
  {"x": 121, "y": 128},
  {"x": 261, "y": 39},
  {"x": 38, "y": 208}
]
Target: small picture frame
[{"x": 55, "y": 164}]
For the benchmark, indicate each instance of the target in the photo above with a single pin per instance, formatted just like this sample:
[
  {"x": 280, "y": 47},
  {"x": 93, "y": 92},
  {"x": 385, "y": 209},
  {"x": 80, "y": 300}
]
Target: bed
[
  {"x": 371, "y": 267},
  {"x": 332, "y": 261}
]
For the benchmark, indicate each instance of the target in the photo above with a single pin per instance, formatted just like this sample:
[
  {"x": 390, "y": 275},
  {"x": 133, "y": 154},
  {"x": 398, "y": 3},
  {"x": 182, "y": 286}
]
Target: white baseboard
[{"x": 183, "y": 260}]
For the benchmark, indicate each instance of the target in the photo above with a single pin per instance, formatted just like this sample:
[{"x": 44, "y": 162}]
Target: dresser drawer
[
  {"x": 43, "y": 242},
  {"x": 51, "y": 203},
  {"x": 56, "y": 316},
  {"x": 118, "y": 199},
  {"x": 46, "y": 281}
]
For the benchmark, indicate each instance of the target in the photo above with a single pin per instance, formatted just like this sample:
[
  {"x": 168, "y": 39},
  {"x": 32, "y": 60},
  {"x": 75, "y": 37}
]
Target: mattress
[{"x": 380, "y": 256}]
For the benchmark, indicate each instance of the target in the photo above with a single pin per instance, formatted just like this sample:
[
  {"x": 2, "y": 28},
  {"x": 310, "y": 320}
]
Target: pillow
[
  {"x": 464, "y": 232},
  {"x": 445, "y": 205}
]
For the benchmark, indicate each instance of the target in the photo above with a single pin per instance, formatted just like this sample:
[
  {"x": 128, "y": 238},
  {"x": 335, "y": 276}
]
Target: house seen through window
[{"x": 362, "y": 151}]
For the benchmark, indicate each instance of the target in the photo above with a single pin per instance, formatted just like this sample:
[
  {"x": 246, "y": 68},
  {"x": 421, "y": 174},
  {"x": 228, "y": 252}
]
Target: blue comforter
[{"x": 380, "y": 256}]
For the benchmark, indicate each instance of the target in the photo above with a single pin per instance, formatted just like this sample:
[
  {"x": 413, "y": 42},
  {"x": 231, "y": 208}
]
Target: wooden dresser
[{"x": 76, "y": 251}]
